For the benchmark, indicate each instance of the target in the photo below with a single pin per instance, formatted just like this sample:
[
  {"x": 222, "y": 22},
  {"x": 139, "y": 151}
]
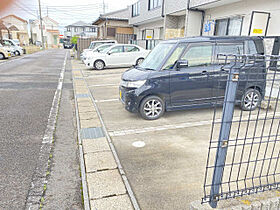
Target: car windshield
[{"x": 156, "y": 56}]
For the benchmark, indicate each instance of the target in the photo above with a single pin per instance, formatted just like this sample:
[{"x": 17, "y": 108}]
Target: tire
[
  {"x": 139, "y": 61},
  {"x": 249, "y": 104},
  {"x": 2, "y": 56},
  {"x": 99, "y": 64},
  {"x": 152, "y": 108},
  {"x": 17, "y": 53}
]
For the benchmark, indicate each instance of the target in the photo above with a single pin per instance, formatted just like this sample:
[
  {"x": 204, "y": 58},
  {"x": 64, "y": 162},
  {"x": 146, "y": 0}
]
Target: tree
[{"x": 74, "y": 40}]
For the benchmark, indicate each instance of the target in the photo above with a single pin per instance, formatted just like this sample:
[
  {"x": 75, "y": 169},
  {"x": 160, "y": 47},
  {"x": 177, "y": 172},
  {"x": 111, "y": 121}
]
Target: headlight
[{"x": 134, "y": 84}]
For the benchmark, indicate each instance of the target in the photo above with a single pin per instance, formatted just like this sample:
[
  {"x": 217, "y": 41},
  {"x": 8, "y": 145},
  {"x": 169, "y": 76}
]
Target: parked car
[
  {"x": 95, "y": 44},
  {"x": 182, "y": 74},
  {"x": 17, "y": 42},
  {"x": 99, "y": 49},
  {"x": 17, "y": 50},
  {"x": 118, "y": 55},
  {"x": 4, "y": 52}
]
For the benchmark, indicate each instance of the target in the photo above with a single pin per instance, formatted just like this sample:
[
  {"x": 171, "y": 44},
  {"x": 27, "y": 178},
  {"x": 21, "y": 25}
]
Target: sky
[{"x": 65, "y": 11}]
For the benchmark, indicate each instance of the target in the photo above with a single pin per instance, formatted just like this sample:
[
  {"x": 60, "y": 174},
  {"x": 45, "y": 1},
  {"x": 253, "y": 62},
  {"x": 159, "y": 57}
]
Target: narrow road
[{"x": 27, "y": 88}]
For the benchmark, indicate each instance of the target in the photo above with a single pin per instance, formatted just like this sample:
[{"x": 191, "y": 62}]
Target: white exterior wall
[{"x": 245, "y": 8}]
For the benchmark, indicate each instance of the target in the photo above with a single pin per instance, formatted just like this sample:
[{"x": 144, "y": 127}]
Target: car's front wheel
[
  {"x": 152, "y": 108},
  {"x": 139, "y": 61},
  {"x": 99, "y": 64},
  {"x": 17, "y": 53},
  {"x": 2, "y": 56},
  {"x": 251, "y": 99}
]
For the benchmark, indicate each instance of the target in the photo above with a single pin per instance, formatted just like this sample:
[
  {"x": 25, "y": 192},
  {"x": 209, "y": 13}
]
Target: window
[
  {"x": 229, "y": 26},
  {"x": 154, "y": 4},
  {"x": 230, "y": 48},
  {"x": 174, "y": 57},
  {"x": 111, "y": 32},
  {"x": 118, "y": 49},
  {"x": 136, "y": 9},
  {"x": 93, "y": 29},
  {"x": 131, "y": 49},
  {"x": 76, "y": 29},
  {"x": 68, "y": 29},
  {"x": 199, "y": 55}
]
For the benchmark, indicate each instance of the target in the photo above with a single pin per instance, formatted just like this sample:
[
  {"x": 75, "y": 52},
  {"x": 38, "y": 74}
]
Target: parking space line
[
  {"x": 107, "y": 100},
  {"x": 104, "y": 85},
  {"x": 179, "y": 126}
]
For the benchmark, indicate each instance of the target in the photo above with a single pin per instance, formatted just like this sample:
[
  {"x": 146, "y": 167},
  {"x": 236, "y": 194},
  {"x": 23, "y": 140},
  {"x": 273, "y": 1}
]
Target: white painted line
[
  {"x": 104, "y": 85},
  {"x": 106, "y": 100},
  {"x": 181, "y": 125}
]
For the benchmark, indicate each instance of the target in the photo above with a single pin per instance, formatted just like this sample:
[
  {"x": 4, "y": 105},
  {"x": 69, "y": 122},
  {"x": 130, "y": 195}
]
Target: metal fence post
[{"x": 228, "y": 110}]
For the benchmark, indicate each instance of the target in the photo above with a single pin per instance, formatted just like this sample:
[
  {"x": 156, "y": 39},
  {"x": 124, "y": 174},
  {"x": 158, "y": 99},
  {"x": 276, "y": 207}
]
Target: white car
[
  {"x": 118, "y": 55},
  {"x": 95, "y": 44},
  {"x": 89, "y": 54},
  {"x": 17, "y": 50}
]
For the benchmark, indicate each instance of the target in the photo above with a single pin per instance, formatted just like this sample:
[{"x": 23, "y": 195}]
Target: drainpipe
[
  {"x": 202, "y": 14},
  {"x": 162, "y": 8}
]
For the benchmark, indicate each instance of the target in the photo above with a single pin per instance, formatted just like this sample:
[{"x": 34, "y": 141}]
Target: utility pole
[
  {"x": 103, "y": 6},
  {"x": 41, "y": 23}
]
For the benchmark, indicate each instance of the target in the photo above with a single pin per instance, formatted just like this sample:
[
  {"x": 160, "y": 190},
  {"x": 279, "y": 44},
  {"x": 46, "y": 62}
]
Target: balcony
[{"x": 207, "y": 4}]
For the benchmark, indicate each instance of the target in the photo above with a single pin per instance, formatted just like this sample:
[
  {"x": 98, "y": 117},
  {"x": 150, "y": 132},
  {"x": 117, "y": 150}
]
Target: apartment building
[
  {"x": 156, "y": 20},
  {"x": 81, "y": 29},
  {"x": 235, "y": 18}
]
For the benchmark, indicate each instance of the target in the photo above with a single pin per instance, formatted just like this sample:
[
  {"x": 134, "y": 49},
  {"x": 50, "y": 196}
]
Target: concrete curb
[{"x": 105, "y": 181}]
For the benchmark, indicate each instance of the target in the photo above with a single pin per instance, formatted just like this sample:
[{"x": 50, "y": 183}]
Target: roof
[
  {"x": 80, "y": 24},
  {"x": 120, "y": 15},
  {"x": 100, "y": 19},
  {"x": 211, "y": 38},
  {"x": 14, "y": 16}
]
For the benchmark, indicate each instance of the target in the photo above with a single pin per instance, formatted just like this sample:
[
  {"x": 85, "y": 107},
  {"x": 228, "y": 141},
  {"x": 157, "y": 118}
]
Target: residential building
[
  {"x": 114, "y": 25},
  {"x": 236, "y": 17},
  {"x": 156, "y": 20},
  {"x": 50, "y": 31},
  {"x": 17, "y": 28},
  {"x": 80, "y": 29}
]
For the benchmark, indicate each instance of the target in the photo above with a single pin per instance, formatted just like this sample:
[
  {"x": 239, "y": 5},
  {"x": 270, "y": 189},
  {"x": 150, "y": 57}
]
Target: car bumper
[{"x": 129, "y": 99}]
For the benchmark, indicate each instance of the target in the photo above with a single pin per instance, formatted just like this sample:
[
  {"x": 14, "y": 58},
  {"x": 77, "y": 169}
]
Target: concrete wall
[
  {"x": 193, "y": 23},
  {"x": 172, "y": 6}
]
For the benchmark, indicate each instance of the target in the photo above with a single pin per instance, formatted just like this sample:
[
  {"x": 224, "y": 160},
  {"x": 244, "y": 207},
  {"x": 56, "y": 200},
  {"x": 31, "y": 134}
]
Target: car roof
[
  {"x": 212, "y": 38},
  {"x": 103, "y": 41}
]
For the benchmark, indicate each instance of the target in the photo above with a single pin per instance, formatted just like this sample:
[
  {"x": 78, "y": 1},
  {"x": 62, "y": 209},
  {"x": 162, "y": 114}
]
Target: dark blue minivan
[{"x": 183, "y": 73}]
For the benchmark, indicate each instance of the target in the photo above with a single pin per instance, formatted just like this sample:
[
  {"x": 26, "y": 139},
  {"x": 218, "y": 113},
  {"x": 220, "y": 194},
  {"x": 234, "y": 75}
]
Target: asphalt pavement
[{"x": 27, "y": 88}]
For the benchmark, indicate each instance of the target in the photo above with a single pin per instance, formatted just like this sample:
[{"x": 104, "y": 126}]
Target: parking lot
[{"x": 165, "y": 159}]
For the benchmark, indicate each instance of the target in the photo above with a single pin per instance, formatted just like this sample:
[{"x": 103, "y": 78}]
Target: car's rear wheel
[
  {"x": 2, "y": 56},
  {"x": 152, "y": 108},
  {"x": 17, "y": 53},
  {"x": 99, "y": 64},
  {"x": 139, "y": 61},
  {"x": 251, "y": 99}
]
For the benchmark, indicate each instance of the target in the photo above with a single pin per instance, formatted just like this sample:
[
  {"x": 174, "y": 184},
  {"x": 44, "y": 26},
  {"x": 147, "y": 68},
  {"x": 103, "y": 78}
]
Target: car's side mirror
[
  {"x": 109, "y": 53},
  {"x": 182, "y": 64}
]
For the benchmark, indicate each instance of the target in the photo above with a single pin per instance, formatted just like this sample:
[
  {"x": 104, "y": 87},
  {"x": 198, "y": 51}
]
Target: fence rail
[{"x": 244, "y": 149}]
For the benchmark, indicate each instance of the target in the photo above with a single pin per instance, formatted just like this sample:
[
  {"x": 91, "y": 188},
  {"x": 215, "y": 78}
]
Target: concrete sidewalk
[{"x": 106, "y": 187}]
